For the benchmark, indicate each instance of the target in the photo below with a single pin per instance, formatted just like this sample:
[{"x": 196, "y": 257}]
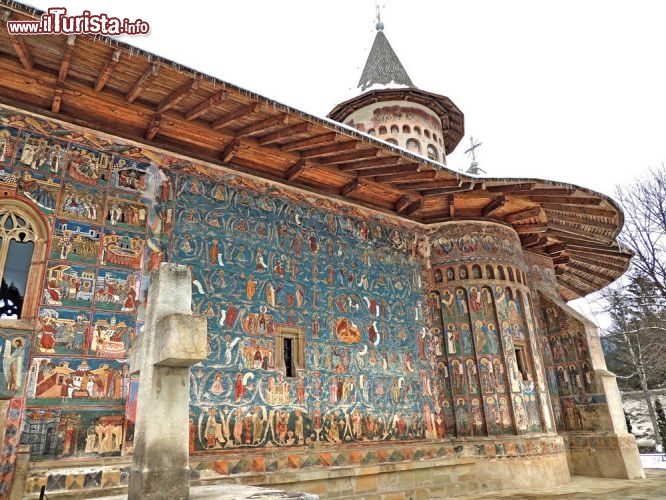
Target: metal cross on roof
[{"x": 471, "y": 150}]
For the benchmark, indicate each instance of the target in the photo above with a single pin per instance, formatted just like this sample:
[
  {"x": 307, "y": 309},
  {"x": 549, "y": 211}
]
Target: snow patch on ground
[{"x": 653, "y": 461}]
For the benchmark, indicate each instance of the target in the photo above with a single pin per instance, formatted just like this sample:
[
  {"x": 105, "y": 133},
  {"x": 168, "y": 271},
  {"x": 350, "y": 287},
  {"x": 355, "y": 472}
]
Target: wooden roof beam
[
  {"x": 418, "y": 176},
  {"x": 566, "y": 200},
  {"x": 230, "y": 151},
  {"x": 347, "y": 157},
  {"x": 572, "y": 288},
  {"x": 354, "y": 185},
  {"x": 560, "y": 259},
  {"x": 526, "y": 214},
  {"x": 107, "y": 70},
  {"x": 372, "y": 164},
  {"x": 414, "y": 207},
  {"x": 584, "y": 281},
  {"x": 577, "y": 257},
  {"x": 297, "y": 169},
  {"x": 450, "y": 184},
  {"x": 331, "y": 149},
  {"x": 278, "y": 135},
  {"x": 19, "y": 44},
  {"x": 66, "y": 57},
  {"x": 234, "y": 115},
  {"x": 57, "y": 97},
  {"x": 381, "y": 172},
  {"x": 585, "y": 222},
  {"x": 592, "y": 249},
  {"x": 510, "y": 188},
  {"x": 310, "y": 142},
  {"x": 151, "y": 72},
  {"x": 154, "y": 126},
  {"x": 263, "y": 125},
  {"x": 205, "y": 105},
  {"x": 572, "y": 264},
  {"x": 533, "y": 240},
  {"x": 556, "y": 248},
  {"x": 493, "y": 206},
  {"x": 544, "y": 192},
  {"x": 530, "y": 228},
  {"x": 600, "y": 212},
  {"x": 402, "y": 204},
  {"x": 178, "y": 95},
  {"x": 569, "y": 234},
  {"x": 465, "y": 186}
]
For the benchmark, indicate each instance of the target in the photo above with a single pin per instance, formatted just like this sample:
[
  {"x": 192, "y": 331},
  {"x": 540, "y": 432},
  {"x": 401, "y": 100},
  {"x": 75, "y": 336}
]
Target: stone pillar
[{"x": 172, "y": 341}]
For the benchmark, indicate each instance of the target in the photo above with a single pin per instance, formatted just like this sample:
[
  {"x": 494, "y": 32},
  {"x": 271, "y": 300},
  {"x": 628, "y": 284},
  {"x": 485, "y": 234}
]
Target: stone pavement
[
  {"x": 235, "y": 492},
  {"x": 651, "y": 488}
]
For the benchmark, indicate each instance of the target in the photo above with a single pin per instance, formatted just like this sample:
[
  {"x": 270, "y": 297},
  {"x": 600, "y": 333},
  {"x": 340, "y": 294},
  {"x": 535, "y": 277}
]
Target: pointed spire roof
[{"x": 383, "y": 68}]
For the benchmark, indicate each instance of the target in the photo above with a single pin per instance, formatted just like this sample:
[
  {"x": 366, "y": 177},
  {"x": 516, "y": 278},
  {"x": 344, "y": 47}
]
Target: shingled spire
[{"x": 383, "y": 68}]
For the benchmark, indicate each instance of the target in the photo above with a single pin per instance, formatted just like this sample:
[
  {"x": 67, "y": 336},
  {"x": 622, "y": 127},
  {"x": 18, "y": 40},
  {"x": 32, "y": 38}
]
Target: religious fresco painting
[
  {"x": 262, "y": 262},
  {"x": 376, "y": 360}
]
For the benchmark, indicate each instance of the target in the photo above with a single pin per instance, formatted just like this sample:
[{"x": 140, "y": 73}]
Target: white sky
[{"x": 567, "y": 90}]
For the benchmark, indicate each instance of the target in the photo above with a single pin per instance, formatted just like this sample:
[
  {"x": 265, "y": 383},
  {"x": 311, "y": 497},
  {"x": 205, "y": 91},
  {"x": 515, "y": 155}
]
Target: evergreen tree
[
  {"x": 630, "y": 429},
  {"x": 661, "y": 420}
]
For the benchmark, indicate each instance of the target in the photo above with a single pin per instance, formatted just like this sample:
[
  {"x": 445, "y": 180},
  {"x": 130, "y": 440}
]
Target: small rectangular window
[
  {"x": 290, "y": 350},
  {"x": 523, "y": 364}
]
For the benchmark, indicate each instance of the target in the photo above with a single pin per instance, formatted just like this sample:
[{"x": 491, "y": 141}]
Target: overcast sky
[{"x": 567, "y": 90}]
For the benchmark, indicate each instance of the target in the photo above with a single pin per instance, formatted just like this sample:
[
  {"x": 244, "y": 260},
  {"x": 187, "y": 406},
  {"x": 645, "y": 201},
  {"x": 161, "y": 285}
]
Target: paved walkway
[{"x": 651, "y": 488}]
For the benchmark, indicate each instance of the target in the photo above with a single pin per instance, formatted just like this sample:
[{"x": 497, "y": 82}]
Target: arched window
[
  {"x": 406, "y": 129},
  {"x": 382, "y": 130},
  {"x": 417, "y": 130},
  {"x": 462, "y": 272},
  {"x": 23, "y": 237},
  {"x": 395, "y": 129},
  {"x": 434, "y": 137},
  {"x": 476, "y": 272},
  {"x": 371, "y": 131},
  {"x": 500, "y": 272},
  {"x": 490, "y": 273},
  {"x": 426, "y": 132},
  {"x": 510, "y": 271},
  {"x": 432, "y": 153},
  {"x": 414, "y": 146}
]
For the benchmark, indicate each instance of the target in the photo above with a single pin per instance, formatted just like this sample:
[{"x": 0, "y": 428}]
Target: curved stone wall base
[
  {"x": 604, "y": 455},
  {"x": 523, "y": 472}
]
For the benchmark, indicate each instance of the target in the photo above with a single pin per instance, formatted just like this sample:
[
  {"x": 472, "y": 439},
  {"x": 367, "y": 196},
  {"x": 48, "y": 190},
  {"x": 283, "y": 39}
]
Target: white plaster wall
[{"x": 400, "y": 113}]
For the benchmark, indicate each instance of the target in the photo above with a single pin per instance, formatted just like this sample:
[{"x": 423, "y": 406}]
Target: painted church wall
[
  {"x": 393, "y": 335},
  {"x": 268, "y": 264}
]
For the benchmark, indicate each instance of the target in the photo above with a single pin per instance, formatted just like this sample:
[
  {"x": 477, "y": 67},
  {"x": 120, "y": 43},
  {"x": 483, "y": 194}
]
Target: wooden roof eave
[{"x": 173, "y": 107}]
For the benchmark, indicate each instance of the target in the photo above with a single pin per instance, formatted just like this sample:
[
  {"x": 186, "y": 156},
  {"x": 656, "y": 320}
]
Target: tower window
[
  {"x": 414, "y": 146},
  {"x": 382, "y": 130},
  {"x": 395, "y": 129},
  {"x": 406, "y": 129},
  {"x": 426, "y": 132},
  {"x": 417, "y": 130},
  {"x": 432, "y": 153}
]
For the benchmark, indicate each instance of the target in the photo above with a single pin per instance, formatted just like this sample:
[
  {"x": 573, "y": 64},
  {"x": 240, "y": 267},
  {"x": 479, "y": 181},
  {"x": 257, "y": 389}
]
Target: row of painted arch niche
[{"x": 476, "y": 272}]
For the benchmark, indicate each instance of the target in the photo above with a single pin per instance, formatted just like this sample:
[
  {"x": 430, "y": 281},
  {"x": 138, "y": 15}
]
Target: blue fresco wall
[{"x": 263, "y": 261}]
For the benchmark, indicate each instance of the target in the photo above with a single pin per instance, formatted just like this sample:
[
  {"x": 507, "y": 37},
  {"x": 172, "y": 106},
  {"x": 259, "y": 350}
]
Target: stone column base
[
  {"x": 603, "y": 455},
  {"x": 158, "y": 485}
]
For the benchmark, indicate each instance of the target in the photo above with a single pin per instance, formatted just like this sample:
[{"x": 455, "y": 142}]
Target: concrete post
[{"x": 172, "y": 341}]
